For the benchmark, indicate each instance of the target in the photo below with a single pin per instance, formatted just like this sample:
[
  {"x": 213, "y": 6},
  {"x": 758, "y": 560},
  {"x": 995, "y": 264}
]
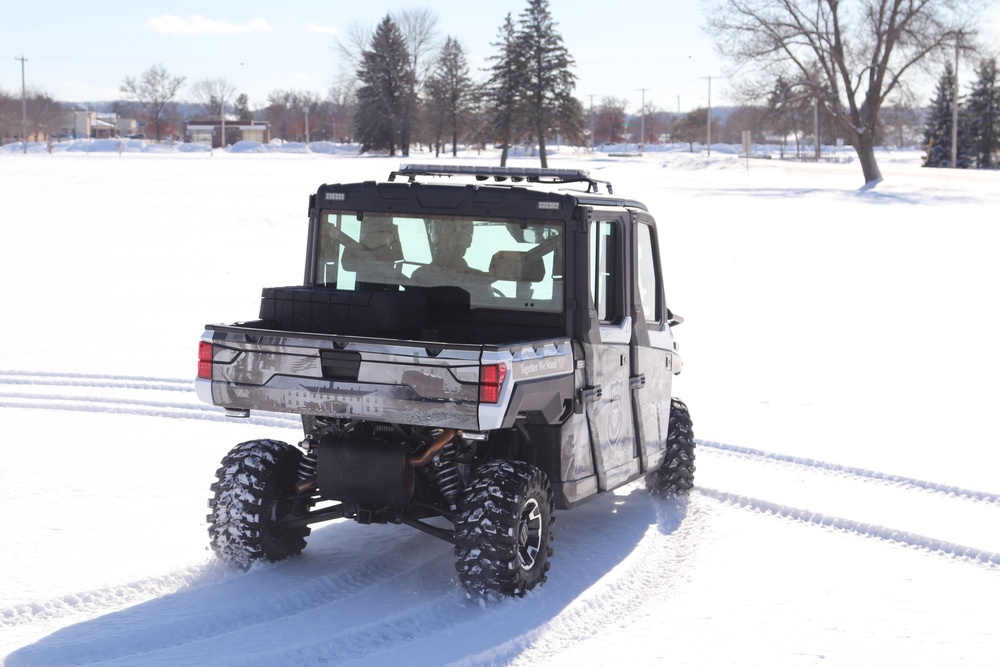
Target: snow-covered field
[{"x": 841, "y": 367}]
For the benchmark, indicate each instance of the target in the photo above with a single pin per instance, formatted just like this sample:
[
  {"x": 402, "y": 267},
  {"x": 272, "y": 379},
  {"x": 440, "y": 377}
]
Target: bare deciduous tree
[
  {"x": 45, "y": 115},
  {"x": 154, "y": 91},
  {"x": 341, "y": 100},
  {"x": 212, "y": 94},
  {"x": 419, "y": 28},
  {"x": 851, "y": 54},
  {"x": 285, "y": 112},
  {"x": 357, "y": 37},
  {"x": 609, "y": 120}
]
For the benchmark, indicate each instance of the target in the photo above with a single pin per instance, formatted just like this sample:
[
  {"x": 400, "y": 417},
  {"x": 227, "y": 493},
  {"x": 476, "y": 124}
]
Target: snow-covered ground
[{"x": 841, "y": 367}]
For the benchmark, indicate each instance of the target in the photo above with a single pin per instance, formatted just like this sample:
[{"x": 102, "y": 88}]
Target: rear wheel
[
  {"x": 676, "y": 474},
  {"x": 504, "y": 529},
  {"x": 251, "y": 494}
]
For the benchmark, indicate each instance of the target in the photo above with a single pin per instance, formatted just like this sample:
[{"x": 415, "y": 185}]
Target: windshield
[{"x": 499, "y": 263}]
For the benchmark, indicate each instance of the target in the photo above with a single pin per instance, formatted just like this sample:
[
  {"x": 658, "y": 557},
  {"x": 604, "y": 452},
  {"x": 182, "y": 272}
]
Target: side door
[
  {"x": 609, "y": 355},
  {"x": 652, "y": 345}
]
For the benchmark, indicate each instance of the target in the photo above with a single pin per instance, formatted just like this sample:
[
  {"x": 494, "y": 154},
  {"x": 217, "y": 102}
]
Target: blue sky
[{"x": 82, "y": 51}]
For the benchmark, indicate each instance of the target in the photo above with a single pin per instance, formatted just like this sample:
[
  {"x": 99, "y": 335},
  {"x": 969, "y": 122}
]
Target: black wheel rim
[{"x": 529, "y": 534}]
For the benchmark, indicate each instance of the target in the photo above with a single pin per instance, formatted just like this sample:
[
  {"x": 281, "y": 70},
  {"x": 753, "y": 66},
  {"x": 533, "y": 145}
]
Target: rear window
[{"x": 503, "y": 264}]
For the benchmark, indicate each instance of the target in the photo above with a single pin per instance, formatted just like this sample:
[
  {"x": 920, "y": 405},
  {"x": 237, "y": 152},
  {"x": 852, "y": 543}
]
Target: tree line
[
  {"x": 978, "y": 128},
  {"x": 839, "y": 66},
  {"x": 526, "y": 96}
]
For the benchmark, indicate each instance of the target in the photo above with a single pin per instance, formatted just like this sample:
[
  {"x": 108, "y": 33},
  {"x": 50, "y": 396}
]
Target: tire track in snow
[
  {"x": 33, "y": 378},
  {"x": 400, "y": 636},
  {"x": 140, "y": 407},
  {"x": 296, "y": 600},
  {"x": 143, "y": 407},
  {"x": 328, "y": 597},
  {"x": 825, "y": 466},
  {"x": 901, "y": 537},
  {"x": 100, "y": 600}
]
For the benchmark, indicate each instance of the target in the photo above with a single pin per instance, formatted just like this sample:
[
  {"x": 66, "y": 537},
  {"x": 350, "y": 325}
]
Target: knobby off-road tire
[
  {"x": 676, "y": 475},
  {"x": 503, "y": 530},
  {"x": 249, "y": 494}
]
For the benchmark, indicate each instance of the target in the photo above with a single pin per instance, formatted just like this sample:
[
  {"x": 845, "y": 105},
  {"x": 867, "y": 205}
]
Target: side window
[
  {"x": 605, "y": 275},
  {"x": 337, "y": 230},
  {"x": 648, "y": 279}
]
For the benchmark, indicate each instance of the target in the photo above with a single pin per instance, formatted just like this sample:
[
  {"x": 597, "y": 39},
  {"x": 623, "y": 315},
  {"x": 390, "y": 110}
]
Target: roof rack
[{"x": 515, "y": 174}]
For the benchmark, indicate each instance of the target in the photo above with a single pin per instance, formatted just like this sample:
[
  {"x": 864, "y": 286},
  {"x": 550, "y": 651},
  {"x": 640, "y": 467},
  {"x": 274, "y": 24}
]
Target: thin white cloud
[
  {"x": 324, "y": 29},
  {"x": 196, "y": 24}
]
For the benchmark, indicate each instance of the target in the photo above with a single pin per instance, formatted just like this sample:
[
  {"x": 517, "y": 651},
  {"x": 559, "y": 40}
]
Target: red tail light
[
  {"x": 204, "y": 361},
  {"x": 490, "y": 382}
]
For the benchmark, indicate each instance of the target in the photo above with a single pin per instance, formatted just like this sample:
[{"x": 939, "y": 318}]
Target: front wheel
[
  {"x": 251, "y": 493},
  {"x": 676, "y": 474},
  {"x": 504, "y": 529}
]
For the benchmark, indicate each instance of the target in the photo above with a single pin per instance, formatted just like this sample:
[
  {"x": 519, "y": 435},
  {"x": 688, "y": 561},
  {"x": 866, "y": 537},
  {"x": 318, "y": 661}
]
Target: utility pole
[
  {"x": 709, "y": 121},
  {"x": 816, "y": 127},
  {"x": 954, "y": 108},
  {"x": 591, "y": 122},
  {"x": 642, "y": 120},
  {"x": 24, "y": 108},
  {"x": 305, "y": 109}
]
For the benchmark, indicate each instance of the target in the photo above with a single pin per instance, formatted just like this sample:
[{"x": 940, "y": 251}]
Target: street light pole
[
  {"x": 709, "y": 121},
  {"x": 24, "y": 108},
  {"x": 642, "y": 121}
]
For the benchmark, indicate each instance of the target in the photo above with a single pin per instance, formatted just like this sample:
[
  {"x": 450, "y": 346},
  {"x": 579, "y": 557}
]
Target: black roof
[{"x": 501, "y": 199}]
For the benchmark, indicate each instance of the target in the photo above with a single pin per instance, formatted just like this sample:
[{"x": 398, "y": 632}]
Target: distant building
[
  {"x": 82, "y": 124},
  {"x": 209, "y": 132}
]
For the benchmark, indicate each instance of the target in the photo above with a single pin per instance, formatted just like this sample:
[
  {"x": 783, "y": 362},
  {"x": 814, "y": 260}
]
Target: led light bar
[
  {"x": 493, "y": 172},
  {"x": 515, "y": 174}
]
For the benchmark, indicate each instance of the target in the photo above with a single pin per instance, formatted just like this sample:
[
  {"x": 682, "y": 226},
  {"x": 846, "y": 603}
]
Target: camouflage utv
[{"x": 471, "y": 349}]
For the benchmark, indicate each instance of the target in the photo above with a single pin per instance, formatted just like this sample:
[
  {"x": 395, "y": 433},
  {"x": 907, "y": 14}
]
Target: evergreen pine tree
[
  {"x": 242, "y": 107},
  {"x": 982, "y": 109},
  {"x": 387, "y": 85},
  {"x": 548, "y": 93},
  {"x": 937, "y": 132},
  {"x": 504, "y": 88},
  {"x": 450, "y": 90}
]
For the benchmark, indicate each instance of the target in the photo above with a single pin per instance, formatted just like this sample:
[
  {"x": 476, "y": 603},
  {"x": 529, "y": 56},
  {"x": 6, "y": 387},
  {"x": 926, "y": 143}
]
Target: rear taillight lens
[
  {"x": 490, "y": 382},
  {"x": 204, "y": 361}
]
